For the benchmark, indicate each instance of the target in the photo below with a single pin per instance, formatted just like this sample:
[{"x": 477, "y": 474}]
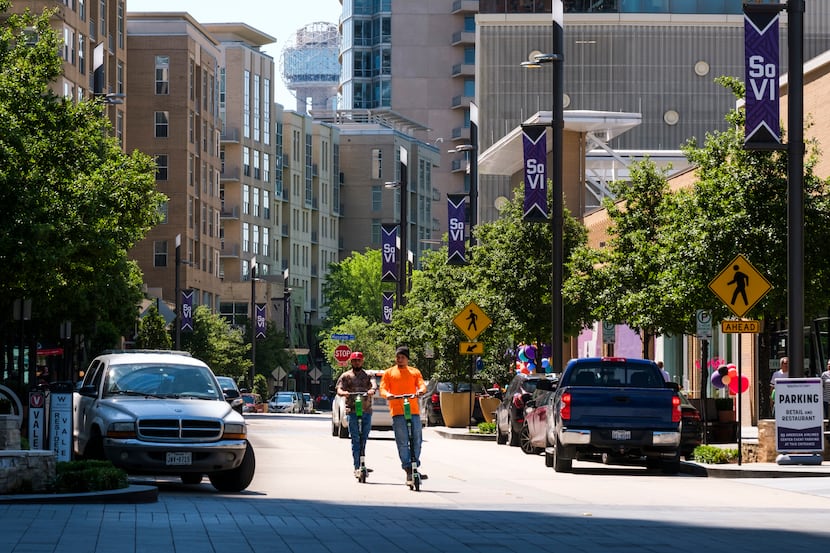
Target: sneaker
[
  {"x": 357, "y": 473},
  {"x": 409, "y": 480}
]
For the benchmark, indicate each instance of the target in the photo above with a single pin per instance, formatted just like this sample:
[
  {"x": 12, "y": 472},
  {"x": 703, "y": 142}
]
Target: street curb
[
  {"x": 131, "y": 494},
  {"x": 748, "y": 471},
  {"x": 465, "y": 436}
]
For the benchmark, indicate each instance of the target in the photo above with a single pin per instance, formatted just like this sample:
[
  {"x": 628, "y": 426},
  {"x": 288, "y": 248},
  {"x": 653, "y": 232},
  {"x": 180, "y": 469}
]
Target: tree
[
  {"x": 221, "y": 347},
  {"x": 370, "y": 338},
  {"x": 152, "y": 331},
  {"x": 353, "y": 287},
  {"x": 72, "y": 203}
]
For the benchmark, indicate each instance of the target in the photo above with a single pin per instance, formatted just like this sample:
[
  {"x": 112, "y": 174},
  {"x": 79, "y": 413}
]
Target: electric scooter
[
  {"x": 358, "y": 411},
  {"x": 407, "y": 413}
]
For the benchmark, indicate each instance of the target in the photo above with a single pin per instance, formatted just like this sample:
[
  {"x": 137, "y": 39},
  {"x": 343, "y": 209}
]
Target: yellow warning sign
[
  {"x": 740, "y": 327},
  {"x": 471, "y": 321},
  {"x": 471, "y": 348},
  {"x": 740, "y": 286}
]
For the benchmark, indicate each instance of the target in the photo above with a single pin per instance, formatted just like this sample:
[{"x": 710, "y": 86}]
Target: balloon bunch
[
  {"x": 527, "y": 359},
  {"x": 726, "y": 376}
]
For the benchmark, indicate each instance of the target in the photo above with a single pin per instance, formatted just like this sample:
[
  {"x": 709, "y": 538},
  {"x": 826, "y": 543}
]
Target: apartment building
[
  {"x": 93, "y": 50},
  {"x": 175, "y": 65}
]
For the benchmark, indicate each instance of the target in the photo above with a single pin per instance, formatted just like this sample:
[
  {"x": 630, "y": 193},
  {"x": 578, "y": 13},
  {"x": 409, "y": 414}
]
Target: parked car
[
  {"x": 286, "y": 402},
  {"x": 430, "y": 402},
  {"x": 691, "y": 427},
  {"x": 231, "y": 392},
  {"x": 533, "y": 438},
  {"x": 161, "y": 413},
  {"x": 308, "y": 403},
  {"x": 252, "y": 403},
  {"x": 381, "y": 417},
  {"x": 510, "y": 414}
]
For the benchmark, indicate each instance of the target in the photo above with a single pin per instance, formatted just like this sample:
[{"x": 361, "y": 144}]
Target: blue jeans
[
  {"x": 402, "y": 439},
  {"x": 355, "y": 435}
]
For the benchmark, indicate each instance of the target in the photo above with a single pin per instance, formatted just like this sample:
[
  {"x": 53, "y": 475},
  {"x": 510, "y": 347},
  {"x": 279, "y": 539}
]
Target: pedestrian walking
[
  {"x": 664, "y": 372},
  {"x": 782, "y": 372},
  {"x": 825, "y": 385},
  {"x": 400, "y": 379},
  {"x": 357, "y": 380}
]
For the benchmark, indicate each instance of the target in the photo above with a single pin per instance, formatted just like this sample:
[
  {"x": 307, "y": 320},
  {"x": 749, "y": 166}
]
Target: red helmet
[{"x": 356, "y": 355}]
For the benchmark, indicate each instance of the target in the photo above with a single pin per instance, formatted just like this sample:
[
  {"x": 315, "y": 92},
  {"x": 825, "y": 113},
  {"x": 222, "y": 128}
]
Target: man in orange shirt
[{"x": 403, "y": 379}]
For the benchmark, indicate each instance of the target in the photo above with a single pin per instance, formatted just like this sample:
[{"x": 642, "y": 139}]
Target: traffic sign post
[
  {"x": 471, "y": 348},
  {"x": 341, "y": 354},
  {"x": 740, "y": 286}
]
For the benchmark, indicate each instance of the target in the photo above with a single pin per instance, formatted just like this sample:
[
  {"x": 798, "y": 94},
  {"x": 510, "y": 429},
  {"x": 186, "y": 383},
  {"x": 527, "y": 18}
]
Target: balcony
[
  {"x": 464, "y": 6},
  {"x": 230, "y": 135},
  {"x": 315, "y": 237},
  {"x": 461, "y": 133},
  {"x": 230, "y": 174},
  {"x": 464, "y": 38},
  {"x": 461, "y": 101},
  {"x": 464, "y": 70},
  {"x": 459, "y": 166},
  {"x": 230, "y": 211},
  {"x": 229, "y": 250},
  {"x": 284, "y": 230}
]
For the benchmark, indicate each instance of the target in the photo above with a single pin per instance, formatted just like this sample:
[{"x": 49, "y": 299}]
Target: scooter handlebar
[{"x": 402, "y": 396}]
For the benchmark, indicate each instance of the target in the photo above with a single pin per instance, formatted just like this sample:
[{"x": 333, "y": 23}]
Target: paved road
[{"x": 480, "y": 497}]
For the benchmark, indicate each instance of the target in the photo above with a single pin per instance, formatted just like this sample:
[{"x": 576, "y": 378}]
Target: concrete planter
[
  {"x": 488, "y": 407},
  {"x": 456, "y": 409}
]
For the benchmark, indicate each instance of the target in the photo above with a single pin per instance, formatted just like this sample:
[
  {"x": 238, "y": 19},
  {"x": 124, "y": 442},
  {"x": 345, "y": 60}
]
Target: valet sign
[
  {"x": 60, "y": 425},
  {"x": 798, "y": 415}
]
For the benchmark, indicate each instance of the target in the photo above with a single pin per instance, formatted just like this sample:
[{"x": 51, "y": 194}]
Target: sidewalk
[{"x": 730, "y": 470}]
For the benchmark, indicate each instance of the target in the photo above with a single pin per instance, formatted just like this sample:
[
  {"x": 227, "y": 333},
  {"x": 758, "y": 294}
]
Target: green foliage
[
  {"x": 152, "y": 331},
  {"x": 88, "y": 476},
  {"x": 713, "y": 455},
  {"x": 370, "y": 338},
  {"x": 261, "y": 386},
  {"x": 353, "y": 287},
  {"x": 271, "y": 351},
  {"x": 487, "y": 428},
  {"x": 221, "y": 347},
  {"x": 72, "y": 203}
]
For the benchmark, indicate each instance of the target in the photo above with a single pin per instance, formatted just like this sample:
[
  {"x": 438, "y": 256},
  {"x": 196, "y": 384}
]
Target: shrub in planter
[
  {"x": 88, "y": 476},
  {"x": 712, "y": 455},
  {"x": 487, "y": 427}
]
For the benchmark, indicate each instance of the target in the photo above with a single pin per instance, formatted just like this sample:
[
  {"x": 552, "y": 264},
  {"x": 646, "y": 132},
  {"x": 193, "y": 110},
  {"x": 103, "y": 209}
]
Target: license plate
[
  {"x": 621, "y": 434},
  {"x": 179, "y": 459}
]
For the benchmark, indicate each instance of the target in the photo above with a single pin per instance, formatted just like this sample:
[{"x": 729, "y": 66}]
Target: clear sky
[{"x": 278, "y": 18}]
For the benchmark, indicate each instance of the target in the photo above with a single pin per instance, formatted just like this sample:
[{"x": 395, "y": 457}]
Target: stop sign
[{"x": 342, "y": 353}]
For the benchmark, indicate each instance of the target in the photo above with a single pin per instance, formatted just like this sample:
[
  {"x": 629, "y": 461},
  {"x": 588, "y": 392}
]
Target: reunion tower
[{"x": 310, "y": 66}]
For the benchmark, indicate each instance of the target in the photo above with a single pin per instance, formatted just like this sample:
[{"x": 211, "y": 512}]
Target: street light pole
[
  {"x": 178, "y": 292},
  {"x": 401, "y": 184},
  {"x": 557, "y": 124},
  {"x": 253, "y": 324}
]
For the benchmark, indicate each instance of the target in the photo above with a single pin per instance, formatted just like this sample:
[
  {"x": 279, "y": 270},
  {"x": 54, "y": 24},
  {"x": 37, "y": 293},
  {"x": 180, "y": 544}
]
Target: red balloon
[
  {"x": 733, "y": 372},
  {"x": 734, "y": 383}
]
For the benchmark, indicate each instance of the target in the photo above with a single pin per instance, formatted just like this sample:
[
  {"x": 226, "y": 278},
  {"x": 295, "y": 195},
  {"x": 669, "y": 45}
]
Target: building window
[
  {"x": 81, "y": 54},
  {"x": 164, "y": 209},
  {"x": 266, "y": 111},
  {"x": 246, "y": 237},
  {"x": 377, "y": 163},
  {"x": 246, "y": 199},
  {"x": 265, "y": 239},
  {"x": 162, "y": 123},
  {"x": 255, "y": 239},
  {"x": 161, "y": 166},
  {"x": 266, "y": 167},
  {"x": 266, "y": 205},
  {"x": 191, "y": 125},
  {"x": 376, "y": 232},
  {"x": 256, "y": 202},
  {"x": 246, "y": 105},
  {"x": 256, "y": 108},
  {"x": 377, "y": 198},
  {"x": 162, "y": 74},
  {"x": 246, "y": 161},
  {"x": 160, "y": 253}
]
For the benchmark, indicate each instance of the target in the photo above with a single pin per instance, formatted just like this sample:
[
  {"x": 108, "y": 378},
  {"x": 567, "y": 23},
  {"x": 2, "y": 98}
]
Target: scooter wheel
[
  {"x": 416, "y": 482},
  {"x": 362, "y": 478}
]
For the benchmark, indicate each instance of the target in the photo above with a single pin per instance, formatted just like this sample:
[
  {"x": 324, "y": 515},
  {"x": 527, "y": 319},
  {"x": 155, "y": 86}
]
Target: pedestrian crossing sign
[
  {"x": 740, "y": 286},
  {"x": 471, "y": 321}
]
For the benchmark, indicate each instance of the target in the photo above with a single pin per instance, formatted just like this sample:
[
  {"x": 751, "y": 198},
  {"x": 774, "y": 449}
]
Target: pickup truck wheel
[
  {"x": 671, "y": 466},
  {"x": 560, "y": 464},
  {"x": 191, "y": 478},
  {"x": 95, "y": 446},
  {"x": 513, "y": 439},
  {"x": 501, "y": 438},
  {"x": 237, "y": 479},
  {"x": 653, "y": 463},
  {"x": 524, "y": 439}
]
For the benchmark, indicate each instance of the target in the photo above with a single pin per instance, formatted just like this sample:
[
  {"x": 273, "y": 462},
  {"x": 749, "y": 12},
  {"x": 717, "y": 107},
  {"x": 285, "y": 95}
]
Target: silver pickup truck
[{"x": 161, "y": 413}]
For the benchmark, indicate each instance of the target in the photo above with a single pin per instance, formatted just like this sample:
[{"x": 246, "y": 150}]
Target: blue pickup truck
[{"x": 617, "y": 409}]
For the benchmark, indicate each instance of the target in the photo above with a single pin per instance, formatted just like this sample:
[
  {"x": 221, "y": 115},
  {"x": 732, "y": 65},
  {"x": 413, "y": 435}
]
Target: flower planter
[
  {"x": 456, "y": 409},
  {"x": 488, "y": 407}
]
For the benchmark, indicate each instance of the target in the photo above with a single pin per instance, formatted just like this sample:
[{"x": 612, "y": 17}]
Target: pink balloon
[{"x": 726, "y": 380}]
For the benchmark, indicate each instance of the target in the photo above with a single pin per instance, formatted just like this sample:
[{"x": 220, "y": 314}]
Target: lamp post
[
  {"x": 253, "y": 323},
  {"x": 178, "y": 292},
  {"x": 556, "y": 220},
  {"x": 472, "y": 159},
  {"x": 400, "y": 184}
]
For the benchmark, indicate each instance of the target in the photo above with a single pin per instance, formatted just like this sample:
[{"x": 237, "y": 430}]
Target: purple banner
[
  {"x": 388, "y": 302},
  {"x": 187, "y": 310},
  {"x": 761, "y": 77},
  {"x": 536, "y": 173},
  {"x": 457, "y": 214},
  {"x": 389, "y": 253},
  {"x": 260, "y": 320}
]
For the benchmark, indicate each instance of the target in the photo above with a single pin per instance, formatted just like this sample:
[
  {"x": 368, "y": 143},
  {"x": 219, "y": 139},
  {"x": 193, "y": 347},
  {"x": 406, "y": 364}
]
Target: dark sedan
[{"x": 510, "y": 414}]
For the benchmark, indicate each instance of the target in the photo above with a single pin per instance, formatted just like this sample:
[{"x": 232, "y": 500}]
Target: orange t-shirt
[{"x": 396, "y": 381}]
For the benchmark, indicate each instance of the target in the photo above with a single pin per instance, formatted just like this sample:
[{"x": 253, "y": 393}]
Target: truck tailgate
[{"x": 632, "y": 408}]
